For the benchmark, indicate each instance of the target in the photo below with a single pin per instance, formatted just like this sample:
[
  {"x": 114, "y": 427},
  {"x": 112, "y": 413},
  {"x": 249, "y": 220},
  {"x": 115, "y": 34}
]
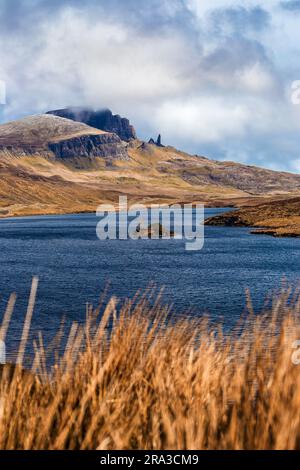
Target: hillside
[
  {"x": 277, "y": 218},
  {"x": 50, "y": 165}
]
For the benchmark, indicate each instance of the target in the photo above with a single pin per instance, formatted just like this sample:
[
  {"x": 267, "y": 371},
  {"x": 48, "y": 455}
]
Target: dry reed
[{"x": 137, "y": 378}]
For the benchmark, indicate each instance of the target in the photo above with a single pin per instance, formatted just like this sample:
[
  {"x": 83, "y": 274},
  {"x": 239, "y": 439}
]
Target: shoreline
[
  {"x": 217, "y": 220},
  {"x": 278, "y": 218},
  {"x": 87, "y": 211},
  {"x": 257, "y": 230}
]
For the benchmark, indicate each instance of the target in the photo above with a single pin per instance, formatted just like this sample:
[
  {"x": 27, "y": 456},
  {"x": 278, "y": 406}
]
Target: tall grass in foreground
[{"x": 137, "y": 379}]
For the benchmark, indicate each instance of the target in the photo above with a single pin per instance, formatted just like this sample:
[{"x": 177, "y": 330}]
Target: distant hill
[
  {"x": 50, "y": 164},
  {"x": 47, "y": 134},
  {"x": 103, "y": 119}
]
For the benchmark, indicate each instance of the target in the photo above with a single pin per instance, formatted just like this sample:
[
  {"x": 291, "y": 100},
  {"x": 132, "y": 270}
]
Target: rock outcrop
[
  {"x": 155, "y": 231},
  {"x": 108, "y": 146},
  {"x": 103, "y": 120},
  {"x": 156, "y": 142}
]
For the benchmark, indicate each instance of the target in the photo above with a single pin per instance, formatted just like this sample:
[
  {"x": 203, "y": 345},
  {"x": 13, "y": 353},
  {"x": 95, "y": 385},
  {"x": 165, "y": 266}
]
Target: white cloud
[
  {"x": 205, "y": 119},
  {"x": 161, "y": 65},
  {"x": 255, "y": 78},
  {"x": 104, "y": 63}
]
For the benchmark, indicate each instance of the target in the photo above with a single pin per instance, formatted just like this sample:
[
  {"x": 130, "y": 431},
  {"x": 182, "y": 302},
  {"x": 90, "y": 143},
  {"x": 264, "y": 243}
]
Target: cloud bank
[{"x": 213, "y": 79}]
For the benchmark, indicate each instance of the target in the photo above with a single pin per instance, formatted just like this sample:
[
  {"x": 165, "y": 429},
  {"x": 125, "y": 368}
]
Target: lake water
[{"x": 74, "y": 267}]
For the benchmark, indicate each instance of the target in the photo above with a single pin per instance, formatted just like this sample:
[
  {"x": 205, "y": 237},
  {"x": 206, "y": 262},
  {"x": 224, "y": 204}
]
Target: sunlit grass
[{"x": 136, "y": 378}]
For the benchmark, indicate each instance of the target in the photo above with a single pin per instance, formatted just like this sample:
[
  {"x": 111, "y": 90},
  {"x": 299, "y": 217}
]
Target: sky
[{"x": 215, "y": 77}]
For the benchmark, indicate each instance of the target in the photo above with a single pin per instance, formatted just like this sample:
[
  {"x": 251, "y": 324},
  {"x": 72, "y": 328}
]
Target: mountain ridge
[
  {"x": 57, "y": 174},
  {"x": 62, "y": 137}
]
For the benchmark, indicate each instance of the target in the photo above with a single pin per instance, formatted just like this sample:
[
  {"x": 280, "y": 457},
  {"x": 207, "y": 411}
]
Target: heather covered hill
[{"x": 249, "y": 179}]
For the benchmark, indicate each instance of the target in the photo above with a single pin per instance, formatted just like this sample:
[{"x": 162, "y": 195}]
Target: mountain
[
  {"x": 52, "y": 135},
  {"x": 278, "y": 218},
  {"x": 103, "y": 120},
  {"x": 50, "y": 165}
]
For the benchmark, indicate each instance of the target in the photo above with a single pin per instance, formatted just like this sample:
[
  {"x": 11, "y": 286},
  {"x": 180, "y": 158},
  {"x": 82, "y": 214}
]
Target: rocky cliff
[
  {"x": 108, "y": 146},
  {"x": 103, "y": 120}
]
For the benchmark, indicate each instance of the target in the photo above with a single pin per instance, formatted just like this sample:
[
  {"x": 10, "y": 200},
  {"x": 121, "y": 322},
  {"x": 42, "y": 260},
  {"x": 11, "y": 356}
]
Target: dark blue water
[{"x": 74, "y": 267}]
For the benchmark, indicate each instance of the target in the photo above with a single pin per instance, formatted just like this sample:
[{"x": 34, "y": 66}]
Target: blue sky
[{"x": 213, "y": 77}]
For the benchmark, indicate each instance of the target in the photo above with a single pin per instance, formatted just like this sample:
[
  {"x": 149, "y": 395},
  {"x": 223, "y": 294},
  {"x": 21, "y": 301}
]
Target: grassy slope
[
  {"x": 38, "y": 185},
  {"x": 37, "y": 131}
]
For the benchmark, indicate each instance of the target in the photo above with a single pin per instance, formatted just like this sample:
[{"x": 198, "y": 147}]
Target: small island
[{"x": 155, "y": 231}]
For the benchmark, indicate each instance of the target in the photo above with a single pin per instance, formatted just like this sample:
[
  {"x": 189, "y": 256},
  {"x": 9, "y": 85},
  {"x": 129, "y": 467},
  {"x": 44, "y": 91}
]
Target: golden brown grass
[
  {"x": 40, "y": 184},
  {"x": 137, "y": 378},
  {"x": 279, "y": 218}
]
